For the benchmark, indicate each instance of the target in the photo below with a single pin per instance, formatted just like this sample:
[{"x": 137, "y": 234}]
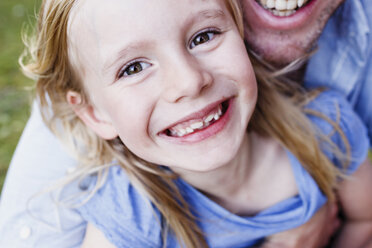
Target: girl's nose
[{"x": 185, "y": 78}]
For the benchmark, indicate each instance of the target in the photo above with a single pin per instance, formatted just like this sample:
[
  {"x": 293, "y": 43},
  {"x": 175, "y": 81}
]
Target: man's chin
[
  {"x": 281, "y": 54},
  {"x": 281, "y": 40},
  {"x": 281, "y": 60}
]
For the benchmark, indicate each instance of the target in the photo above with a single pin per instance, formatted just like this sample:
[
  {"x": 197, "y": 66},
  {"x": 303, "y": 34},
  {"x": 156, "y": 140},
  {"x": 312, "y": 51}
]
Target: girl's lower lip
[
  {"x": 266, "y": 19},
  {"x": 207, "y": 132}
]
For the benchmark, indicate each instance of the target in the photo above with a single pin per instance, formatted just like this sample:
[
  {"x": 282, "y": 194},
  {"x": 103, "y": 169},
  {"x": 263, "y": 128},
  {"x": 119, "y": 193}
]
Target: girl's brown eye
[
  {"x": 133, "y": 68},
  {"x": 203, "y": 37},
  {"x": 200, "y": 39}
]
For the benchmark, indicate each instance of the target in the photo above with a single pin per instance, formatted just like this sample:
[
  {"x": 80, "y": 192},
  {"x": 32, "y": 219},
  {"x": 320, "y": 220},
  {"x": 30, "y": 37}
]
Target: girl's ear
[{"x": 88, "y": 114}]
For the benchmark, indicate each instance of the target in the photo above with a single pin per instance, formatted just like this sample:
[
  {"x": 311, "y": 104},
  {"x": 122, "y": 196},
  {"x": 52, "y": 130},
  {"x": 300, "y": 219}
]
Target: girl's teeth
[
  {"x": 179, "y": 132},
  {"x": 209, "y": 118},
  {"x": 189, "y": 130},
  {"x": 182, "y": 132},
  {"x": 197, "y": 125}
]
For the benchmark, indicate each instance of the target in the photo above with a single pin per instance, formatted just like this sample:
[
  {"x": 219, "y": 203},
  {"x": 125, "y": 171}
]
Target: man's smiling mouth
[
  {"x": 198, "y": 124},
  {"x": 282, "y": 7}
]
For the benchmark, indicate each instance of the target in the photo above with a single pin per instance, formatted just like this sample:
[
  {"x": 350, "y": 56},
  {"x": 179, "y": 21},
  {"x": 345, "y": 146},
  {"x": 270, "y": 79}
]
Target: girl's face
[{"x": 171, "y": 78}]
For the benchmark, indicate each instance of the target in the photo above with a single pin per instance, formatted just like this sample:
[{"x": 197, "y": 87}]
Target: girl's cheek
[{"x": 250, "y": 95}]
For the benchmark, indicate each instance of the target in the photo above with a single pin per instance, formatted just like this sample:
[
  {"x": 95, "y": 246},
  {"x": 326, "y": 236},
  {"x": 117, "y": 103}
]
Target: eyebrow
[
  {"x": 123, "y": 52},
  {"x": 205, "y": 14}
]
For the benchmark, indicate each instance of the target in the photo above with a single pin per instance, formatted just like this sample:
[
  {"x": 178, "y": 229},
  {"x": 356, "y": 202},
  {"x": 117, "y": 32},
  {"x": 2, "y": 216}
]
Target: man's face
[{"x": 280, "y": 31}]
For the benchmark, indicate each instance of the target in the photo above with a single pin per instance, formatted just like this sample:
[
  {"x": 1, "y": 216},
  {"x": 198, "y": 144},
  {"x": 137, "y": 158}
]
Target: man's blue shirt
[{"x": 344, "y": 57}]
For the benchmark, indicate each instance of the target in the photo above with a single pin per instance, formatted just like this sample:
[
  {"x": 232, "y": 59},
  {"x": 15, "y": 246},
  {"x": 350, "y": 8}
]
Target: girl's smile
[
  {"x": 178, "y": 92},
  {"x": 202, "y": 124}
]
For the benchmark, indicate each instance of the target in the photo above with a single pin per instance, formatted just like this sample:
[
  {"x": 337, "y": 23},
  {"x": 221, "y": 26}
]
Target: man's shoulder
[{"x": 29, "y": 218}]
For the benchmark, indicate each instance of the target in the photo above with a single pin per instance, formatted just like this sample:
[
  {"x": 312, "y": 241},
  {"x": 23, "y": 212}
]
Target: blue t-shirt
[{"x": 129, "y": 220}]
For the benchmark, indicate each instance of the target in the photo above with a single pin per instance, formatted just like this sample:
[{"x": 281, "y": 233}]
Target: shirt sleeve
[
  {"x": 122, "y": 214},
  {"x": 348, "y": 132}
]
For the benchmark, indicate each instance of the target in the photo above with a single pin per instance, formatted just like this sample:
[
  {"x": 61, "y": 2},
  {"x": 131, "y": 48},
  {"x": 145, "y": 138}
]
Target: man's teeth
[
  {"x": 282, "y": 7},
  {"x": 283, "y": 4},
  {"x": 178, "y": 131}
]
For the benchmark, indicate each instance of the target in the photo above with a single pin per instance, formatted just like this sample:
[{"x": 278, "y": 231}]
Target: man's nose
[{"x": 186, "y": 78}]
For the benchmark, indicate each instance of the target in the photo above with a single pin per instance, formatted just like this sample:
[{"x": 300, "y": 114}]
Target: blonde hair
[{"x": 279, "y": 114}]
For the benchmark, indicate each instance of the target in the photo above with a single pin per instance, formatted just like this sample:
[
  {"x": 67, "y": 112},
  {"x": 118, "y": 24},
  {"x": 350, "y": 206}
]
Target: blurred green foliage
[{"x": 14, "y": 98}]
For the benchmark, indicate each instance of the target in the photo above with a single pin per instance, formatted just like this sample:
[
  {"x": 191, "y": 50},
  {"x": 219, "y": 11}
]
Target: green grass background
[{"x": 14, "y": 98}]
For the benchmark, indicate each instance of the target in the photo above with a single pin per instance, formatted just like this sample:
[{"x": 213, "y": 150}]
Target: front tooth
[
  {"x": 189, "y": 130},
  {"x": 181, "y": 132},
  {"x": 173, "y": 132},
  {"x": 216, "y": 117},
  {"x": 197, "y": 125},
  {"x": 219, "y": 111},
  {"x": 281, "y": 4},
  {"x": 209, "y": 118},
  {"x": 300, "y": 3},
  {"x": 270, "y": 4},
  {"x": 291, "y": 4}
]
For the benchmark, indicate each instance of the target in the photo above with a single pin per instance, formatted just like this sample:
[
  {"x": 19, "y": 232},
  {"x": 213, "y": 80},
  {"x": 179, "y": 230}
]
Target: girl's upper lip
[{"x": 198, "y": 114}]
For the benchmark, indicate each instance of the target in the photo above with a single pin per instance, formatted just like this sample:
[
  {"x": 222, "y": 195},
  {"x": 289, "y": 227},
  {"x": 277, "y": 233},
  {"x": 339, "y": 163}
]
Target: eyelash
[{"x": 208, "y": 32}]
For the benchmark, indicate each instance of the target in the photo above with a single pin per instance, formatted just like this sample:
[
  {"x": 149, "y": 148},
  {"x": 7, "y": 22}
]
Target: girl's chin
[{"x": 208, "y": 160}]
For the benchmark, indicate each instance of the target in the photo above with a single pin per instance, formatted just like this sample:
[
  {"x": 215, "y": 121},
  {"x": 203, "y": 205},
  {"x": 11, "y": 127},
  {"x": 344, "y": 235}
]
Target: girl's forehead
[
  {"x": 128, "y": 9},
  {"x": 117, "y": 16},
  {"x": 106, "y": 21}
]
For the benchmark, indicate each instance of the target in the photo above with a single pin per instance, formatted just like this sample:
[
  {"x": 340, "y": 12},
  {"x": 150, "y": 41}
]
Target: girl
[{"x": 160, "y": 98}]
